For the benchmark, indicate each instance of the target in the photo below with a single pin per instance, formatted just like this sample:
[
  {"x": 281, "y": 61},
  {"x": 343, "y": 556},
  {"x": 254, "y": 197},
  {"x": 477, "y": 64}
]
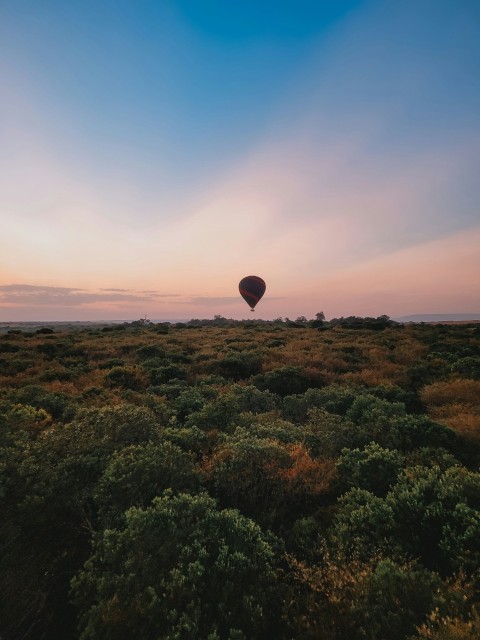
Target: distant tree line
[{"x": 350, "y": 322}]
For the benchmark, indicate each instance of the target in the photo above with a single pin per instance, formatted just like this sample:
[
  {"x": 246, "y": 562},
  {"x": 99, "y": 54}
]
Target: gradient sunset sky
[{"x": 154, "y": 152}]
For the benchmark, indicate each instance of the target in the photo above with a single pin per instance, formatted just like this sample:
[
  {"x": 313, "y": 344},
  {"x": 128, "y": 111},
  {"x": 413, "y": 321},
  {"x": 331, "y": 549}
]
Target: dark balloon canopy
[{"x": 252, "y": 289}]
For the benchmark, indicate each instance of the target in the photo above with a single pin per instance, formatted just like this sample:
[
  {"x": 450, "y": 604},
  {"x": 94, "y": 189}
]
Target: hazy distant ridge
[{"x": 438, "y": 317}]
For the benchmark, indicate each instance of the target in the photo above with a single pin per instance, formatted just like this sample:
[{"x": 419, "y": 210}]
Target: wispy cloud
[
  {"x": 19, "y": 289},
  {"x": 433, "y": 277},
  {"x": 213, "y": 301},
  {"x": 218, "y": 301},
  {"x": 37, "y": 295}
]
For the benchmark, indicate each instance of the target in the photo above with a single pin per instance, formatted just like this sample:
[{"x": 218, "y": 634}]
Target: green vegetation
[{"x": 222, "y": 480}]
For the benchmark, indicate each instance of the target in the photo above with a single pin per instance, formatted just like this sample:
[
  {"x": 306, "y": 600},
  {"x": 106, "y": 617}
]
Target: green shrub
[
  {"x": 181, "y": 569},
  {"x": 127, "y": 377},
  {"x": 238, "y": 366},
  {"x": 284, "y": 382}
]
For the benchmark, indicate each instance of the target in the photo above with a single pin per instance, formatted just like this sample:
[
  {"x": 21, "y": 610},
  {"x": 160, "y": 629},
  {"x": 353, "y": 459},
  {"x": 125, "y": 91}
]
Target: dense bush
[
  {"x": 236, "y": 366},
  {"x": 127, "y": 377},
  {"x": 284, "y": 382},
  {"x": 181, "y": 569},
  {"x": 222, "y": 480}
]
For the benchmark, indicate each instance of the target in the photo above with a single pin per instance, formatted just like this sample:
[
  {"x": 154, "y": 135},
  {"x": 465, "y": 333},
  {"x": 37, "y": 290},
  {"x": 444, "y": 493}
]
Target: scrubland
[{"x": 239, "y": 481}]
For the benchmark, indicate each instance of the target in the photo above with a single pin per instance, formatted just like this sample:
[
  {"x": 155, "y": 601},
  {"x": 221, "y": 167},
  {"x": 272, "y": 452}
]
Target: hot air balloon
[{"x": 251, "y": 289}]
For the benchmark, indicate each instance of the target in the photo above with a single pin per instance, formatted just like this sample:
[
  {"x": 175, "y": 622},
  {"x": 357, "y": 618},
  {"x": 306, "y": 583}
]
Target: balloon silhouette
[{"x": 251, "y": 289}]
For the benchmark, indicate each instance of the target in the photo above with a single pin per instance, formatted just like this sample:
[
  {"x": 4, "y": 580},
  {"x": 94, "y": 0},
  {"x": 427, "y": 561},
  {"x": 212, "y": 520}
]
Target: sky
[{"x": 152, "y": 154}]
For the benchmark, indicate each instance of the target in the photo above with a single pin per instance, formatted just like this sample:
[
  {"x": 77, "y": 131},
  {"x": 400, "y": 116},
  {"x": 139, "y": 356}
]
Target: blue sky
[{"x": 177, "y": 146}]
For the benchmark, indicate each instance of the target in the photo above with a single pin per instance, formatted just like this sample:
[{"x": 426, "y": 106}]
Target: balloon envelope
[{"x": 252, "y": 289}]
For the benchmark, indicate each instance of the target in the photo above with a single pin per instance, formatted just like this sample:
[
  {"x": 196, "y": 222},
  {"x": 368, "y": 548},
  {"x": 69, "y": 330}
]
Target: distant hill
[{"x": 441, "y": 317}]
